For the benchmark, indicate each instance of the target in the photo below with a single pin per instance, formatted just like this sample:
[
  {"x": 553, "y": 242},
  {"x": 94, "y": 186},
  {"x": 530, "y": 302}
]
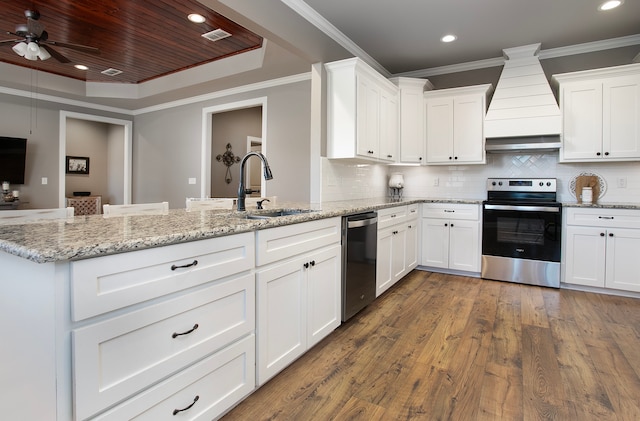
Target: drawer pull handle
[
  {"x": 188, "y": 265},
  {"x": 177, "y": 411},
  {"x": 176, "y": 334},
  {"x": 449, "y": 211},
  {"x": 605, "y": 217}
]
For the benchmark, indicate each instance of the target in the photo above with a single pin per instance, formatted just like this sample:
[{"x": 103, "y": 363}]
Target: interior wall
[
  {"x": 88, "y": 139},
  {"x": 167, "y": 146},
  {"x": 231, "y": 127}
]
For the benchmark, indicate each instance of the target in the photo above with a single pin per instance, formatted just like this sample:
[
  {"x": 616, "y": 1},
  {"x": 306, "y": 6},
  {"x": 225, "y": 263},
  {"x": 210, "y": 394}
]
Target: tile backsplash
[{"x": 344, "y": 181}]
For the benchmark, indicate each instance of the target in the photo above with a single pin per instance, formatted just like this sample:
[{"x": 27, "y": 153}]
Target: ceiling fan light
[
  {"x": 32, "y": 51},
  {"x": 44, "y": 54},
  {"x": 20, "y": 48}
]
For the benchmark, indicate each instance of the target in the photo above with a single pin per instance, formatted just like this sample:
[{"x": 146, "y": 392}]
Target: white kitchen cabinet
[
  {"x": 412, "y": 118},
  {"x": 397, "y": 245},
  {"x": 601, "y": 114},
  {"x": 298, "y": 297},
  {"x": 117, "y": 357},
  {"x": 601, "y": 248},
  {"x": 455, "y": 125},
  {"x": 362, "y": 113},
  {"x": 451, "y": 237}
]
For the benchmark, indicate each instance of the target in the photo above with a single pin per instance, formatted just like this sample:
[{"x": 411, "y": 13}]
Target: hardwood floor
[{"x": 443, "y": 347}]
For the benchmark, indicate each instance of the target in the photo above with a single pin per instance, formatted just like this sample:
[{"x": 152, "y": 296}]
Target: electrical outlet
[
  {"x": 192, "y": 181},
  {"x": 622, "y": 182},
  {"x": 436, "y": 182},
  {"x": 45, "y": 180}
]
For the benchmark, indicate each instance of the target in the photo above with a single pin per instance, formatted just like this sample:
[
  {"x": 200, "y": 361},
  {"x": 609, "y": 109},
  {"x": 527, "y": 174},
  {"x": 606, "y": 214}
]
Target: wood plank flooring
[{"x": 444, "y": 347}]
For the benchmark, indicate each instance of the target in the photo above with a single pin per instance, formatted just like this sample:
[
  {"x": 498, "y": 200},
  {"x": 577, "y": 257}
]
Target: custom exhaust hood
[{"x": 523, "y": 115}]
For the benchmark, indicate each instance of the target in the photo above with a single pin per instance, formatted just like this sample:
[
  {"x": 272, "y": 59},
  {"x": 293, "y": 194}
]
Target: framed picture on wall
[{"x": 77, "y": 165}]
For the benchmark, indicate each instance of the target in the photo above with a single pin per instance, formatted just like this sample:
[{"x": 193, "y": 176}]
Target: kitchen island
[{"x": 83, "y": 299}]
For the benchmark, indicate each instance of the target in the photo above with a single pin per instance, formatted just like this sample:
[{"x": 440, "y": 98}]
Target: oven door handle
[{"x": 549, "y": 209}]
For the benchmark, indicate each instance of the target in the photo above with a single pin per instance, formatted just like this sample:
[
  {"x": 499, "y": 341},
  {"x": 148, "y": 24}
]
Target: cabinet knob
[
  {"x": 455, "y": 157},
  {"x": 389, "y": 156},
  {"x": 446, "y": 225},
  {"x": 610, "y": 234},
  {"x": 602, "y": 234},
  {"x": 306, "y": 265},
  {"x": 451, "y": 224},
  {"x": 450, "y": 157},
  {"x": 598, "y": 153},
  {"x": 313, "y": 263},
  {"x": 420, "y": 159},
  {"x": 606, "y": 154}
]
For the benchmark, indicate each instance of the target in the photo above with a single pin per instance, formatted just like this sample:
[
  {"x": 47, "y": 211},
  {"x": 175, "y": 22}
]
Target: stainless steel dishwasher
[{"x": 359, "y": 249}]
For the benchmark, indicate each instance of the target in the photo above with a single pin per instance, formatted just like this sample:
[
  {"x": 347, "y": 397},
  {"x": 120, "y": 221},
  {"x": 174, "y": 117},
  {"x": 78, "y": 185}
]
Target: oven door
[
  {"x": 522, "y": 231},
  {"x": 521, "y": 243}
]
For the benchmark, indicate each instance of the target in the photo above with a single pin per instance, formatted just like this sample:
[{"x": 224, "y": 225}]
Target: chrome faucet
[{"x": 242, "y": 191}]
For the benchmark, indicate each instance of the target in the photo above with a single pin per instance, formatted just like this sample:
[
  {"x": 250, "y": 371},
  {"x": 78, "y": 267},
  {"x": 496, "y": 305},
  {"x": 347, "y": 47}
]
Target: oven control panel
[{"x": 522, "y": 184}]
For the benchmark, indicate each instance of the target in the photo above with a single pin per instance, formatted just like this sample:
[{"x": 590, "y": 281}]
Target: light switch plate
[
  {"x": 45, "y": 180},
  {"x": 192, "y": 181}
]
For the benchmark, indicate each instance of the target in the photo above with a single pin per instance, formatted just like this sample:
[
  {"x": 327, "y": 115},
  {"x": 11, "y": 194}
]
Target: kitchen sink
[{"x": 276, "y": 213}]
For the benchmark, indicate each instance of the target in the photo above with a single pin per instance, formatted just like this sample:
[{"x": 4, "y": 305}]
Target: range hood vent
[
  {"x": 523, "y": 144},
  {"x": 523, "y": 103}
]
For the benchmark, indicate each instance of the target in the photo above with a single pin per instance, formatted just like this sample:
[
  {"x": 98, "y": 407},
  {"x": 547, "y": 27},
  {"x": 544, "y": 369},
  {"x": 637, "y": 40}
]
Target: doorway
[
  {"x": 117, "y": 159},
  {"x": 214, "y": 146}
]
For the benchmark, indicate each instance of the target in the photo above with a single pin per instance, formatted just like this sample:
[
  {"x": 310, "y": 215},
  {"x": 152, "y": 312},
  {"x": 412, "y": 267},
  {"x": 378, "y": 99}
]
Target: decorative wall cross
[{"x": 228, "y": 159}]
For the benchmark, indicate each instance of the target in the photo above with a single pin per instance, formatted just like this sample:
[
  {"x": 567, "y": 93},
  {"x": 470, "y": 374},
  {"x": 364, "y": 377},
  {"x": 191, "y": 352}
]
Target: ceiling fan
[{"x": 34, "y": 41}]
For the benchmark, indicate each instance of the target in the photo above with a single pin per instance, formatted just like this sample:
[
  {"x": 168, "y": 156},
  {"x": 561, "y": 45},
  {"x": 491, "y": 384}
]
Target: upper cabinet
[
  {"x": 601, "y": 114},
  {"x": 455, "y": 125},
  {"x": 362, "y": 113},
  {"x": 412, "y": 118}
]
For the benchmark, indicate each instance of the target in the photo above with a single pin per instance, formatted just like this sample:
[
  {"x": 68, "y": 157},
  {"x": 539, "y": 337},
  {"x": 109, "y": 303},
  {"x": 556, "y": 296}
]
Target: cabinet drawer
[
  {"x": 613, "y": 218},
  {"x": 469, "y": 212},
  {"x": 391, "y": 216},
  {"x": 111, "y": 282},
  {"x": 413, "y": 211},
  {"x": 283, "y": 242},
  {"x": 219, "y": 382},
  {"x": 118, "y": 357}
]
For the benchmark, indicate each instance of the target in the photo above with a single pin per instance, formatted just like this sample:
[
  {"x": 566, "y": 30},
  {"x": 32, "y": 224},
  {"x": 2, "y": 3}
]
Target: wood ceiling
[{"x": 144, "y": 39}]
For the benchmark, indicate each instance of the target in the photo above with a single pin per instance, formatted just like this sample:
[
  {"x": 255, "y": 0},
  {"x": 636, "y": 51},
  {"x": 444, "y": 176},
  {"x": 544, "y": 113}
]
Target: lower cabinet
[
  {"x": 187, "y": 322},
  {"x": 601, "y": 248},
  {"x": 451, "y": 236},
  {"x": 298, "y": 298},
  {"x": 397, "y": 245}
]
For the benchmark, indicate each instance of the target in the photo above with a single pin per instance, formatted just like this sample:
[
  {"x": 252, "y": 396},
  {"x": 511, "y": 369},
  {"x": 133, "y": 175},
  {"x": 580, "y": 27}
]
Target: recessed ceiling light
[
  {"x": 448, "y": 38},
  {"x": 196, "y": 18},
  {"x": 81, "y": 67},
  {"x": 611, "y": 4}
]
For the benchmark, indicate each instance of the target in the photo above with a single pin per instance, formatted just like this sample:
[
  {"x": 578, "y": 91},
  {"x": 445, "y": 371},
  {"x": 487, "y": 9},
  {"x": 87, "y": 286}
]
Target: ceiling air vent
[
  {"x": 111, "y": 72},
  {"x": 216, "y": 35}
]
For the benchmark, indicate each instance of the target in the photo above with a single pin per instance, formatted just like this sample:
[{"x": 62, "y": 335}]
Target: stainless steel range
[{"x": 521, "y": 231}]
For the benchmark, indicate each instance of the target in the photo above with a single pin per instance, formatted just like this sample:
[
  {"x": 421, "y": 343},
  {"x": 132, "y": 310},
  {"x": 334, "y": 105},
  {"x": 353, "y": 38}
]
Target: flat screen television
[{"x": 13, "y": 156}]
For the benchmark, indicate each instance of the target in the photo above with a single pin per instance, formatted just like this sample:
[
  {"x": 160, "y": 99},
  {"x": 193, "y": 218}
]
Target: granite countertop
[
  {"x": 602, "y": 205},
  {"x": 94, "y": 235}
]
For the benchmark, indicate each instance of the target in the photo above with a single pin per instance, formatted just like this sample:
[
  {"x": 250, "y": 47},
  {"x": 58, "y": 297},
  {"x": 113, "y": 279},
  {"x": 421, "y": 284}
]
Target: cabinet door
[
  {"x": 464, "y": 252},
  {"x": 411, "y": 248},
  {"x": 389, "y": 129},
  {"x": 398, "y": 252},
  {"x": 435, "y": 243},
  {"x": 621, "y": 118},
  {"x": 582, "y": 121},
  {"x": 623, "y": 265},
  {"x": 282, "y": 316},
  {"x": 368, "y": 116},
  {"x": 439, "y": 130},
  {"x": 324, "y": 293},
  {"x": 412, "y": 126},
  {"x": 384, "y": 257},
  {"x": 585, "y": 256},
  {"x": 468, "y": 134}
]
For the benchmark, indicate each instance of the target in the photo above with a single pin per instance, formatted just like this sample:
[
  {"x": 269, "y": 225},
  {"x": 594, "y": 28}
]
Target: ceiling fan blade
[
  {"x": 55, "y": 54},
  {"x": 6, "y": 41},
  {"x": 83, "y": 48}
]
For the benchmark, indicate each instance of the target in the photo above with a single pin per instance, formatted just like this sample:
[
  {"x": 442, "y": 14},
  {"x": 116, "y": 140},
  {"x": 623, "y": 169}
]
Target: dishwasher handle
[{"x": 357, "y": 223}]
